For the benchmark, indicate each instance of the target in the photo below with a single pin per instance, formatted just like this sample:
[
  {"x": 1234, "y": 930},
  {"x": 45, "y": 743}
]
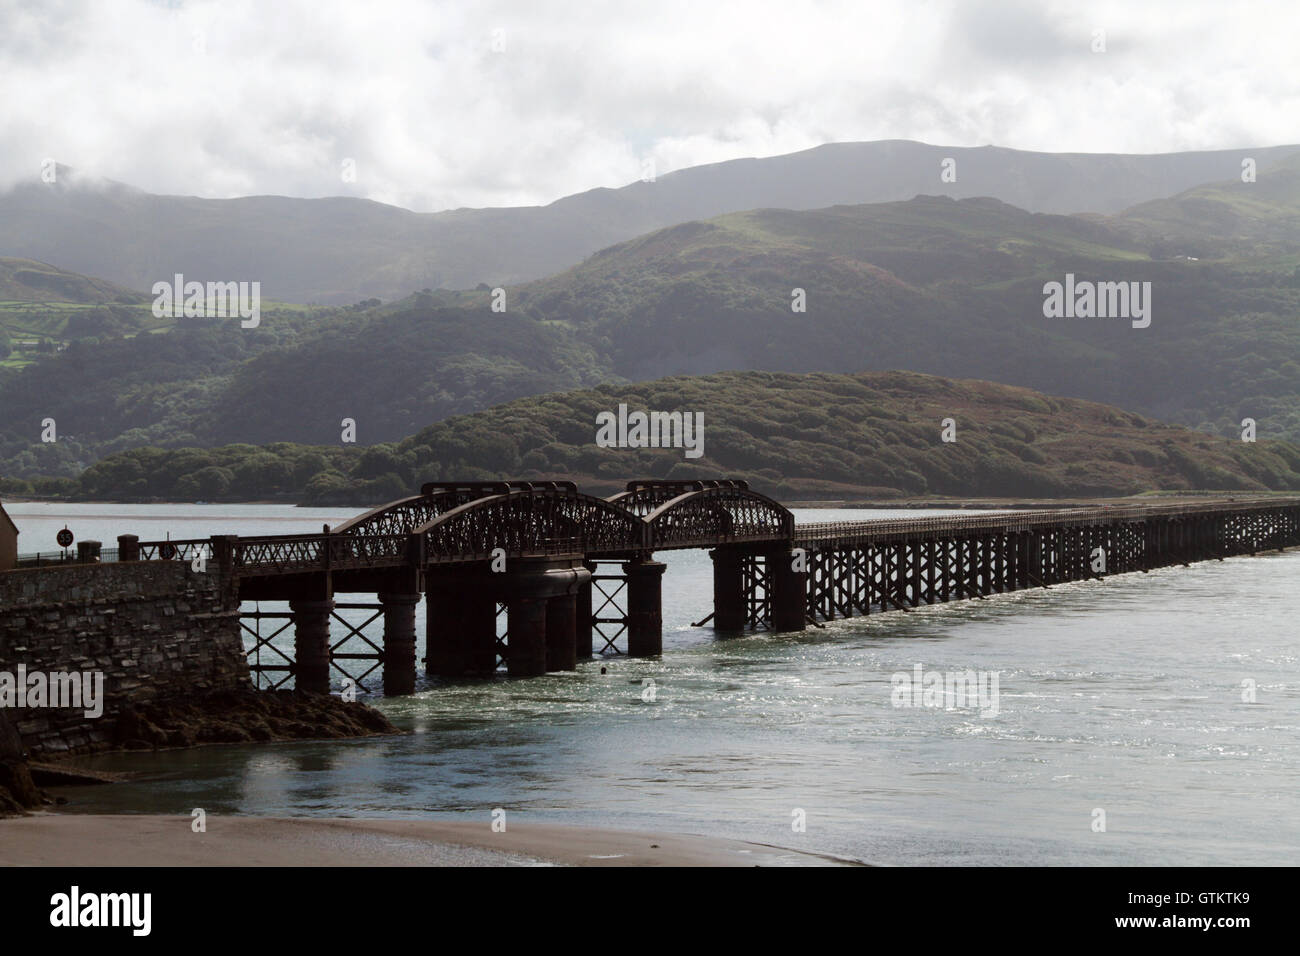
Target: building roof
[{"x": 5, "y": 515}]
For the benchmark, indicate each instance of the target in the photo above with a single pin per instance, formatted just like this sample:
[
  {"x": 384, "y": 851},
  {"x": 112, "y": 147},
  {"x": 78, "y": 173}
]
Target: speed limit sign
[{"x": 64, "y": 538}]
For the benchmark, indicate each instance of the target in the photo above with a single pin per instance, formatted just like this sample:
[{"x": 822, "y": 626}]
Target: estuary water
[{"x": 1124, "y": 731}]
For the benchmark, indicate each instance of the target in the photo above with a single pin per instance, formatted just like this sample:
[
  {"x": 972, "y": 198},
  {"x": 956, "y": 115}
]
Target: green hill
[
  {"x": 935, "y": 285},
  {"x": 1259, "y": 219},
  {"x": 42, "y": 306},
  {"x": 25, "y": 280},
  {"x": 811, "y": 435}
]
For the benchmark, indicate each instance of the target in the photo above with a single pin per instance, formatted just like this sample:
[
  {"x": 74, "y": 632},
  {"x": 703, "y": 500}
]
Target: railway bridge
[{"x": 562, "y": 569}]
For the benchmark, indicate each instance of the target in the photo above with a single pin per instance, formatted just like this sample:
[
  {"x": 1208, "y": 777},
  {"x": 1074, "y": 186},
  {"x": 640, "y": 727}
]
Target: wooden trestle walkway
[{"x": 558, "y": 568}]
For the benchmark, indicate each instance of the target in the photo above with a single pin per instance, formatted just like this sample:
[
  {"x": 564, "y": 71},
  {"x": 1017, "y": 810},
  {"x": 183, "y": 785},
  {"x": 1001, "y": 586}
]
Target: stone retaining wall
[{"x": 155, "y": 629}]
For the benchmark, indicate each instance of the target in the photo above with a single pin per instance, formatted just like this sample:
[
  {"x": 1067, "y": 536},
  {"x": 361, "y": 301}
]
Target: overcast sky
[{"x": 445, "y": 104}]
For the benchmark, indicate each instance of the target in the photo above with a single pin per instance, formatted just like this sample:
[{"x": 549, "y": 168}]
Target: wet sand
[{"x": 51, "y": 839}]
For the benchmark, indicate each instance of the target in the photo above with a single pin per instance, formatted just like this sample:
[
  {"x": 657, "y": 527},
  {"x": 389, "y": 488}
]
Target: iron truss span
[
  {"x": 579, "y": 566},
  {"x": 465, "y": 522}
]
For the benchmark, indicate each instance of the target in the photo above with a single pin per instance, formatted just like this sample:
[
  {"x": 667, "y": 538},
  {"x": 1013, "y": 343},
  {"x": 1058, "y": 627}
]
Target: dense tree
[{"x": 820, "y": 435}]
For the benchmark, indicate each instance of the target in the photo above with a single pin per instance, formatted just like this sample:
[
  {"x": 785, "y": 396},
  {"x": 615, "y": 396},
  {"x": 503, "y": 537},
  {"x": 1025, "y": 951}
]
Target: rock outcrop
[
  {"x": 17, "y": 791},
  {"x": 245, "y": 716}
]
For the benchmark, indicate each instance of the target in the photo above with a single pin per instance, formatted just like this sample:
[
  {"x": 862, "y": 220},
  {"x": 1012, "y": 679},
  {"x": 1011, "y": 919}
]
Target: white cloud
[{"x": 242, "y": 97}]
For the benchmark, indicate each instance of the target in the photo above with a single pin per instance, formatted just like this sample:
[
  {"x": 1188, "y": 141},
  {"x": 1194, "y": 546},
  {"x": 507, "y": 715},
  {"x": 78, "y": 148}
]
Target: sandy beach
[{"x": 50, "y": 839}]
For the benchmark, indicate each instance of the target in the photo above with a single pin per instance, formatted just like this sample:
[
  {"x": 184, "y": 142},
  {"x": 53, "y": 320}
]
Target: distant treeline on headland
[{"x": 878, "y": 434}]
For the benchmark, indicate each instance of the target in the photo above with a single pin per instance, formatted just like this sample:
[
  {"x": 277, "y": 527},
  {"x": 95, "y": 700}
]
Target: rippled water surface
[{"x": 1122, "y": 696}]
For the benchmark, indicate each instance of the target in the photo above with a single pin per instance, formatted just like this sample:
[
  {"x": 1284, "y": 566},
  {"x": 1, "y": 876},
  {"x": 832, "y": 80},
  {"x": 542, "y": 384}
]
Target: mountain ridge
[{"x": 340, "y": 249}]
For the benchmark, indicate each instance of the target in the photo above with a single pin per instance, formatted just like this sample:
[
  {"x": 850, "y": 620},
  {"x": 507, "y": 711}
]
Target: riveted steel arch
[
  {"x": 533, "y": 522},
  {"x": 436, "y": 497},
  {"x": 718, "y": 515},
  {"x": 644, "y": 495},
  {"x": 399, "y": 517}
]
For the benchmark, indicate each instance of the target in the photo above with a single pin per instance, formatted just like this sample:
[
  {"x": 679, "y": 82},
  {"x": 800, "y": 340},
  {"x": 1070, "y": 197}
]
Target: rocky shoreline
[
  {"x": 245, "y": 716},
  {"x": 221, "y": 717}
]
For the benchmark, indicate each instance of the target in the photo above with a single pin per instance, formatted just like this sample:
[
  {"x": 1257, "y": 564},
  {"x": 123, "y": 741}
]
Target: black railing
[{"x": 47, "y": 559}]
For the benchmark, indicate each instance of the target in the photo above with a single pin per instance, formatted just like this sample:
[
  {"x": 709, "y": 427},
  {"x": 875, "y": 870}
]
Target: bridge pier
[
  {"x": 541, "y": 596},
  {"x": 562, "y": 633},
  {"x": 311, "y": 644},
  {"x": 527, "y": 617},
  {"x": 789, "y": 591},
  {"x": 728, "y": 590},
  {"x": 460, "y": 623},
  {"x": 399, "y": 641},
  {"x": 645, "y": 625}
]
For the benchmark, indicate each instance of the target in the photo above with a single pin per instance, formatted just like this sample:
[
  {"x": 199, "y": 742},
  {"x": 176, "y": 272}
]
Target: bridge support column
[
  {"x": 527, "y": 656},
  {"x": 728, "y": 590},
  {"x": 399, "y": 641},
  {"x": 311, "y": 645},
  {"x": 561, "y": 633},
  {"x": 645, "y": 625},
  {"x": 789, "y": 590},
  {"x": 542, "y": 603},
  {"x": 461, "y": 624}
]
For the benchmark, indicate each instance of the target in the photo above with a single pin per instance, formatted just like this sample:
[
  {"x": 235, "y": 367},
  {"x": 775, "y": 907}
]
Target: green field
[
  {"x": 29, "y": 324},
  {"x": 26, "y": 324}
]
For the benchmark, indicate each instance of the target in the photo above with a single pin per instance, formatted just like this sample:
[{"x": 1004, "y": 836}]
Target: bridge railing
[
  {"x": 276, "y": 554},
  {"x": 668, "y": 539},
  {"x": 1014, "y": 521},
  {"x": 46, "y": 559},
  {"x": 453, "y": 552},
  {"x": 179, "y": 550}
]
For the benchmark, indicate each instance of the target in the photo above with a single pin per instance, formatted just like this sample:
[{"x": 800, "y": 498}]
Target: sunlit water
[{"x": 1122, "y": 696}]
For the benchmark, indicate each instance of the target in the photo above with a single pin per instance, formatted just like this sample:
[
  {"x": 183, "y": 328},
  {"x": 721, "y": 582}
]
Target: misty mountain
[{"x": 339, "y": 250}]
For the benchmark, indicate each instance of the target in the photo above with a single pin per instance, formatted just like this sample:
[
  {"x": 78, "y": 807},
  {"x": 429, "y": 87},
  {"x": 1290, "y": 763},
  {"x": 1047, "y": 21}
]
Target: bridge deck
[
  {"x": 358, "y": 549},
  {"x": 880, "y": 529},
  {"x": 767, "y": 570}
]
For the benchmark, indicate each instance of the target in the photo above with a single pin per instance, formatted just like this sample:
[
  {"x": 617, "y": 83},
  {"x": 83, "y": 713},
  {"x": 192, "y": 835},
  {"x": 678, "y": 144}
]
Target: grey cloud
[{"x": 241, "y": 97}]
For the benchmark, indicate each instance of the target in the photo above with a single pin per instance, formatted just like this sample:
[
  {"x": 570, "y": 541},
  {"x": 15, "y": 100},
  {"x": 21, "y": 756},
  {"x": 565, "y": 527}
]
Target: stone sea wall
[{"x": 156, "y": 630}]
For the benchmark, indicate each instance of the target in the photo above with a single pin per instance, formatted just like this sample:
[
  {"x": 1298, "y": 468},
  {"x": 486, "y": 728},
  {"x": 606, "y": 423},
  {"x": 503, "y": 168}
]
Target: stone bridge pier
[
  {"x": 540, "y": 598},
  {"x": 397, "y": 604}
]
